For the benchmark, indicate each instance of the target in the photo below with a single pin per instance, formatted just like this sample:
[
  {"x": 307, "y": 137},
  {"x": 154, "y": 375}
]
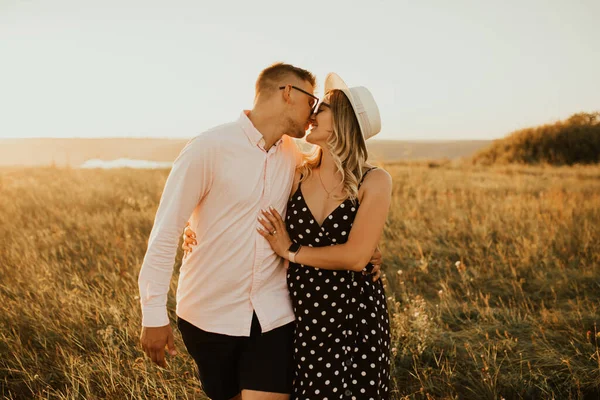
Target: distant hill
[
  {"x": 573, "y": 141},
  {"x": 397, "y": 150},
  {"x": 74, "y": 152}
]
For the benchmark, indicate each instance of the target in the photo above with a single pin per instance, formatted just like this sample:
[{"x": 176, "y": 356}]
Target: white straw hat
[{"x": 363, "y": 103}]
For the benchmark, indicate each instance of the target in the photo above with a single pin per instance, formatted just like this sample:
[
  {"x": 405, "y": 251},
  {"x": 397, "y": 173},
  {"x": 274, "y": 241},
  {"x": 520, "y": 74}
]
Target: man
[{"x": 233, "y": 307}]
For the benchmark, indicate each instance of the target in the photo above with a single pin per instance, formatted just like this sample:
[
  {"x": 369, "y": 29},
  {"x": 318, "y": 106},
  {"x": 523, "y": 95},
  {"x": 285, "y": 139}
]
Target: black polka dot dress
[{"x": 342, "y": 339}]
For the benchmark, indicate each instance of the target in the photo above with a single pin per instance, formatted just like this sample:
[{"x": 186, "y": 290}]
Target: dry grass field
[{"x": 492, "y": 273}]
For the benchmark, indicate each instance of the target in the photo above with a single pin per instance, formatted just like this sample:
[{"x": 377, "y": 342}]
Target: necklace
[{"x": 323, "y": 185}]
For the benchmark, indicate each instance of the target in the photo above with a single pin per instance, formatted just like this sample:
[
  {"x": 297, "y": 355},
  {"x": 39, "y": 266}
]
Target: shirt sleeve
[{"x": 188, "y": 182}]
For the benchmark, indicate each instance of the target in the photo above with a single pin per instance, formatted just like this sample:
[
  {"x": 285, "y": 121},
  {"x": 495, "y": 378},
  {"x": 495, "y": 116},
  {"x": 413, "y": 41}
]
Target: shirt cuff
[{"x": 153, "y": 317}]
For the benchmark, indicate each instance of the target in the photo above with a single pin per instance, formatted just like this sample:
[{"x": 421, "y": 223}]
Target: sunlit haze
[{"x": 171, "y": 69}]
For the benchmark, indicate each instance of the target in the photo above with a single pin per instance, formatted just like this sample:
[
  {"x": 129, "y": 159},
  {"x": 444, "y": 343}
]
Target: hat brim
[{"x": 334, "y": 82}]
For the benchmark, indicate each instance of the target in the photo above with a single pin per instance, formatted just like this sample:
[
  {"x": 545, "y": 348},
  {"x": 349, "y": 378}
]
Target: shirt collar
[{"x": 255, "y": 137}]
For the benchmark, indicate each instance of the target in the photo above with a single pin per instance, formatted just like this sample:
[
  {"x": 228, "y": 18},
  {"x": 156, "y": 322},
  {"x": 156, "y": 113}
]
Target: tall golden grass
[{"x": 493, "y": 278}]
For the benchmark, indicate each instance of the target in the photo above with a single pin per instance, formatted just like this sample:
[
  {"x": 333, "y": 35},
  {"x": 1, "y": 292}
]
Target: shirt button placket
[
  {"x": 259, "y": 243},
  {"x": 256, "y": 282}
]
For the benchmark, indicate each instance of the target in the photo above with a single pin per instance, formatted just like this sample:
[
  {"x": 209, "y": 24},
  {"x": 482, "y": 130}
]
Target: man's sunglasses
[{"x": 314, "y": 101}]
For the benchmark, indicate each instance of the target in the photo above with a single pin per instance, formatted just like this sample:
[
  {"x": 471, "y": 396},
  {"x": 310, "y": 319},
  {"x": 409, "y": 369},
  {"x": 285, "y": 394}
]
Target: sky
[{"x": 438, "y": 69}]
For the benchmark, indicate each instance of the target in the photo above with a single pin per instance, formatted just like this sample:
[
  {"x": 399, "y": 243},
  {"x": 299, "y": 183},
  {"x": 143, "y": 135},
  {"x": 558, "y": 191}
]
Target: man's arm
[{"x": 189, "y": 181}]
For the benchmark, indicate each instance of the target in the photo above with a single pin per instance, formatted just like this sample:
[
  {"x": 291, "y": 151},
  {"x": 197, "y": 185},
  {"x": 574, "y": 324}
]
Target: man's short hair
[{"x": 269, "y": 79}]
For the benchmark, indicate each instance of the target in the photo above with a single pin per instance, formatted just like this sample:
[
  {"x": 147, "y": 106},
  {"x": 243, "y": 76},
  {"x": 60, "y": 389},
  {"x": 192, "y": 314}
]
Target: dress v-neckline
[
  {"x": 328, "y": 216},
  {"x": 311, "y": 213}
]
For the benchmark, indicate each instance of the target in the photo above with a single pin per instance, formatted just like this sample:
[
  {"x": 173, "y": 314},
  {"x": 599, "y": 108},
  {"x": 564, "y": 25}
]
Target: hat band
[
  {"x": 362, "y": 116},
  {"x": 358, "y": 105},
  {"x": 364, "y": 122}
]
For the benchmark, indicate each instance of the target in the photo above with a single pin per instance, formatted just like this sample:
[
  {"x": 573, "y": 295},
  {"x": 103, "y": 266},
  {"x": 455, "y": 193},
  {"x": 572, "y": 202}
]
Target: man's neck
[{"x": 268, "y": 125}]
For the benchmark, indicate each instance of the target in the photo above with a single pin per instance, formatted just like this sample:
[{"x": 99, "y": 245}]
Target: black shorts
[{"x": 229, "y": 364}]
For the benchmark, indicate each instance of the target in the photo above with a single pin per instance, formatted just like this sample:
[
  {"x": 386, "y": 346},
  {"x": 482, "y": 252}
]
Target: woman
[{"x": 334, "y": 220}]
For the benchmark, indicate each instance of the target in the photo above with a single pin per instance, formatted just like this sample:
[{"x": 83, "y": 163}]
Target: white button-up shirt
[{"x": 219, "y": 182}]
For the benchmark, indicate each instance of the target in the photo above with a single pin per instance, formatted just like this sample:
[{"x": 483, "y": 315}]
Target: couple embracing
[{"x": 279, "y": 293}]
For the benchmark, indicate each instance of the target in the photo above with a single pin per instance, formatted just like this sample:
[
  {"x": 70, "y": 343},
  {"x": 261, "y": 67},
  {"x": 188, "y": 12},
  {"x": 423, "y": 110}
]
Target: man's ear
[{"x": 287, "y": 94}]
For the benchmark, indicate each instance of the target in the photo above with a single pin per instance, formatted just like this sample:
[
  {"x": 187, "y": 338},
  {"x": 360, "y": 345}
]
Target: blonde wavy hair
[{"x": 346, "y": 144}]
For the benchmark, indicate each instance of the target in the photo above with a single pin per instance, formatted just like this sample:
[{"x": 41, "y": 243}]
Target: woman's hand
[
  {"x": 274, "y": 231},
  {"x": 189, "y": 240},
  {"x": 376, "y": 260}
]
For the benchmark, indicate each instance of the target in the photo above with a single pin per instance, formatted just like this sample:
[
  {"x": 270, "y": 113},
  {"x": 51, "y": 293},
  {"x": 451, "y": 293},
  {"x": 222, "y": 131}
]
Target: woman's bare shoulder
[{"x": 377, "y": 180}]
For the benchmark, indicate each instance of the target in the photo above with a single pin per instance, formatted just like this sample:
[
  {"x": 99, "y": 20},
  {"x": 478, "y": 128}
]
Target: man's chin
[{"x": 299, "y": 135}]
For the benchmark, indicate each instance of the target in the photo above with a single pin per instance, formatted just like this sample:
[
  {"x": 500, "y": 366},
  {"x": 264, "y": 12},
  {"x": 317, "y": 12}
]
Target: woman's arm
[{"x": 364, "y": 236}]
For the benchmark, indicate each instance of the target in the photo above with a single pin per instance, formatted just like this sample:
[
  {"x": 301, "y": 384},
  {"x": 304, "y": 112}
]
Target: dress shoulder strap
[{"x": 365, "y": 174}]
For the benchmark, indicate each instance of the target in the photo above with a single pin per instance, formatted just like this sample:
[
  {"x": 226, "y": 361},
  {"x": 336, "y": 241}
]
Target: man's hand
[
  {"x": 189, "y": 240},
  {"x": 376, "y": 260},
  {"x": 154, "y": 340}
]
